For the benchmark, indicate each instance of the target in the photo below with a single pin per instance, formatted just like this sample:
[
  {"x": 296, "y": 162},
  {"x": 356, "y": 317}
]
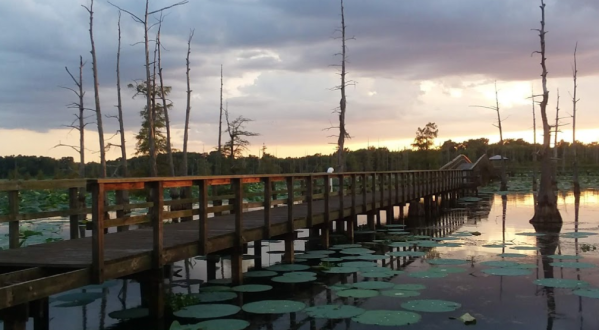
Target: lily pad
[
  {"x": 209, "y": 297},
  {"x": 274, "y": 307},
  {"x": 561, "y": 283},
  {"x": 580, "y": 265},
  {"x": 309, "y": 256},
  {"x": 342, "y": 270},
  {"x": 447, "y": 261},
  {"x": 447, "y": 270},
  {"x": 408, "y": 286},
  {"x": 494, "y": 246},
  {"x": 524, "y": 248},
  {"x": 400, "y": 293},
  {"x": 331, "y": 259},
  {"x": 499, "y": 263},
  {"x": 448, "y": 238},
  {"x": 260, "y": 273},
  {"x": 580, "y": 234},
  {"x": 564, "y": 257},
  {"x": 511, "y": 255},
  {"x": 407, "y": 254},
  {"x": 400, "y": 244},
  {"x": 357, "y": 264},
  {"x": 251, "y": 288},
  {"x": 379, "y": 274},
  {"x": 345, "y": 246},
  {"x": 387, "y": 318},
  {"x": 373, "y": 285},
  {"x": 325, "y": 252},
  {"x": 79, "y": 296},
  {"x": 339, "y": 287},
  {"x": 427, "y": 274},
  {"x": 431, "y": 306},
  {"x": 224, "y": 281},
  {"x": 214, "y": 288},
  {"x": 524, "y": 266},
  {"x": 507, "y": 271},
  {"x": 530, "y": 234},
  {"x": 395, "y": 226},
  {"x": 430, "y": 244},
  {"x": 333, "y": 311},
  {"x": 287, "y": 267},
  {"x": 222, "y": 324},
  {"x": 300, "y": 274},
  {"x": 293, "y": 279},
  {"x": 131, "y": 313},
  {"x": 589, "y": 293},
  {"x": 372, "y": 257},
  {"x": 207, "y": 311},
  {"x": 357, "y": 293},
  {"x": 356, "y": 251}
]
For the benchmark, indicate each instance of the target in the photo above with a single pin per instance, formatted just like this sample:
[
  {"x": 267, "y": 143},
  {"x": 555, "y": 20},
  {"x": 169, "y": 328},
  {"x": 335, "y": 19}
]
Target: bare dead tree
[
  {"x": 220, "y": 118},
  {"x": 124, "y": 168},
  {"x": 534, "y": 133},
  {"x": 498, "y": 125},
  {"x": 575, "y": 100},
  {"x": 237, "y": 135},
  {"x": 169, "y": 150},
  {"x": 188, "y": 107},
  {"x": 556, "y": 127},
  {"x": 98, "y": 109},
  {"x": 149, "y": 96},
  {"x": 546, "y": 204},
  {"x": 343, "y": 134}
]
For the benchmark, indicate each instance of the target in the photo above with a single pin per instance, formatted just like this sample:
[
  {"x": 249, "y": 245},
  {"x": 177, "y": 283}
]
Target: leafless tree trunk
[
  {"x": 125, "y": 170},
  {"x": 169, "y": 150},
  {"x": 98, "y": 110},
  {"x": 534, "y": 152},
  {"x": 555, "y": 153},
  {"x": 188, "y": 107},
  {"x": 575, "y": 182},
  {"x": 149, "y": 95},
  {"x": 546, "y": 205},
  {"x": 220, "y": 118},
  {"x": 343, "y": 102}
]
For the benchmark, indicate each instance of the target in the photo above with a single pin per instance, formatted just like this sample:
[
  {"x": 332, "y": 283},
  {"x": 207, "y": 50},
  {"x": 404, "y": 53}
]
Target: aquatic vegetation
[
  {"x": 177, "y": 301},
  {"x": 260, "y": 273},
  {"x": 580, "y": 265},
  {"x": 447, "y": 261},
  {"x": 274, "y": 307},
  {"x": 131, "y": 313},
  {"x": 357, "y": 264},
  {"x": 507, "y": 271},
  {"x": 207, "y": 311},
  {"x": 530, "y": 248},
  {"x": 408, "y": 286},
  {"x": 587, "y": 292},
  {"x": 342, "y": 270},
  {"x": 499, "y": 263},
  {"x": 407, "y": 254},
  {"x": 357, "y": 293},
  {"x": 356, "y": 251},
  {"x": 287, "y": 268},
  {"x": 373, "y": 285},
  {"x": 293, "y": 279},
  {"x": 333, "y": 311},
  {"x": 511, "y": 255},
  {"x": 251, "y": 288},
  {"x": 387, "y": 318},
  {"x": 209, "y": 297},
  {"x": 561, "y": 283},
  {"x": 400, "y": 293},
  {"x": 431, "y": 305}
]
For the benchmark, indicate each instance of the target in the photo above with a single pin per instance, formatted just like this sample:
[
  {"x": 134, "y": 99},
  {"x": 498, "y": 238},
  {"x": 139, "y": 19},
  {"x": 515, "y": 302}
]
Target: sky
[{"x": 413, "y": 62}]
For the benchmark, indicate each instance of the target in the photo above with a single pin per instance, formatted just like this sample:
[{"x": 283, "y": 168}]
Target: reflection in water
[{"x": 547, "y": 245}]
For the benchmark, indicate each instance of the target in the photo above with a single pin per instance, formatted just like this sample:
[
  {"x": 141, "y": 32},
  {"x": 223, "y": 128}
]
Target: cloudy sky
[{"x": 413, "y": 62}]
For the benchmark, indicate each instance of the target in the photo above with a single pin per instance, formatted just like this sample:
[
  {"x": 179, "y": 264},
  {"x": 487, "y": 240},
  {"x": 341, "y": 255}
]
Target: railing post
[
  {"x": 13, "y": 225},
  {"x": 341, "y": 195},
  {"x": 267, "y": 205},
  {"x": 327, "y": 199},
  {"x": 156, "y": 219},
  {"x": 73, "y": 218},
  {"x": 310, "y": 200},
  {"x": 414, "y": 189},
  {"x": 237, "y": 254},
  {"x": 97, "y": 190},
  {"x": 203, "y": 222},
  {"x": 364, "y": 189},
  {"x": 403, "y": 182},
  {"x": 354, "y": 213},
  {"x": 373, "y": 192},
  {"x": 397, "y": 188},
  {"x": 290, "y": 201},
  {"x": 382, "y": 188}
]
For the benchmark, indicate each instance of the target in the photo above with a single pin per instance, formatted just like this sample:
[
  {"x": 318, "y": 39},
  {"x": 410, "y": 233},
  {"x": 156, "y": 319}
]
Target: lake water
[{"x": 497, "y": 302}]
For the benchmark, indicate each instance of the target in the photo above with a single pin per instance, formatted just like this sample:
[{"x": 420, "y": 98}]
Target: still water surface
[{"x": 497, "y": 302}]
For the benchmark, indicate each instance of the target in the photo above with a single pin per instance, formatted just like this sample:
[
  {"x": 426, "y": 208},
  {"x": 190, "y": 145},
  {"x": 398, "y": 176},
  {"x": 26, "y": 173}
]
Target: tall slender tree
[
  {"x": 220, "y": 117},
  {"x": 169, "y": 150},
  {"x": 546, "y": 204},
  {"x": 343, "y": 134},
  {"x": 534, "y": 137},
  {"x": 124, "y": 167},
  {"x": 575, "y": 182},
  {"x": 98, "y": 109},
  {"x": 184, "y": 170}
]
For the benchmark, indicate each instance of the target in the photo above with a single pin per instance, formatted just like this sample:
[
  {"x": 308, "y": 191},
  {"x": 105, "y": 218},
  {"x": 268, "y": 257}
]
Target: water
[{"x": 497, "y": 302}]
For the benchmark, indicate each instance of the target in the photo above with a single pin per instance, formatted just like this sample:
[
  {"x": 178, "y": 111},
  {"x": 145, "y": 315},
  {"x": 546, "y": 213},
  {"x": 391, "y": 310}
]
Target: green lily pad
[
  {"x": 564, "y": 257},
  {"x": 431, "y": 306},
  {"x": 373, "y": 285},
  {"x": 207, "y": 311},
  {"x": 274, "y": 307},
  {"x": 530, "y": 234},
  {"x": 561, "y": 283},
  {"x": 251, "y": 288},
  {"x": 580, "y": 234},
  {"x": 293, "y": 279},
  {"x": 260, "y": 273},
  {"x": 409, "y": 286},
  {"x": 524, "y": 248},
  {"x": 379, "y": 274},
  {"x": 79, "y": 296},
  {"x": 447, "y": 270},
  {"x": 215, "y": 288},
  {"x": 427, "y": 274},
  {"x": 221, "y": 324},
  {"x": 342, "y": 270},
  {"x": 395, "y": 226},
  {"x": 580, "y": 265},
  {"x": 364, "y": 232},
  {"x": 407, "y": 254},
  {"x": 287, "y": 268},
  {"x": 357, "y": 293},
  {"x": 448, "y": 238},
  {"x": 345, "y": 246},
  {"x": 355, "y": 257},
  {"x": 308, "y": 256},
  {"x": 499, "y": 263},
  {"x": 444, "y": 262},
  {"x": 325, "y": 252},
  {"x": 511, "y": 255},
  {"x": 589, "y": 293},
  {"x": 357, "y": 264},
  {"x": 300, "y": 274},
  {"x": 400, "y": 293},
  {"x": 387, "y": 318},
  {"x": 507, "y": 271},
  {"x": 372, "y": 257},
  {"x": 331, "y": 259},
  {"x": 224, "y": 281},
  {"x": 209, "y": 297},
  {"x": 430, "y": 244},
  {"x": 333, "y": 311},
  {"x": 524, "y": 266},
  {"x": 421, "y": 237},
  {"x": 339, "y": 287},
  {"x": 129, "y": 314},
  {"x": 400, "y": 244},
  {"x": 356, "y": 251},
  {"x": 462, "y": 234},
  {"x": 494, "y": 246}
]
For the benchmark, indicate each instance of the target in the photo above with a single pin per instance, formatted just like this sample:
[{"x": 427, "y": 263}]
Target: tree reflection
[{"x": 548, "y": 244}]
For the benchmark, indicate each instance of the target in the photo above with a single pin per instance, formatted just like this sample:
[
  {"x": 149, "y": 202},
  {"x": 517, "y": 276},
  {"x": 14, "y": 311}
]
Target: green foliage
[
  {"x": 177, "y": 301},
  {"x": 425, "y": 137},
  {"x": 588, "y": 247}
]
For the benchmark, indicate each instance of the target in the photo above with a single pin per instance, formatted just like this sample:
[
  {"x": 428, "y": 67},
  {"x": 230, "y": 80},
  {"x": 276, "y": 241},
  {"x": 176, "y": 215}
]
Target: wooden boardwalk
[{"x": 32, "y": 273}]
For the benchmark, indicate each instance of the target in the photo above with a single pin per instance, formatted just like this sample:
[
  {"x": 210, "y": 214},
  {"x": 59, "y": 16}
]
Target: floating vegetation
[
  {"x": 274, "y": 307},
  {"x": 331, "y": 259},
  {"x": 448, "y": 270},
  {"x": 293, "y": 279},
  {"x": 373, "y": 285},
  {"x": 333, "y": 311},
  {"x": 448, "y": 238},
  {"x": 131, "y": 313},
  {"x": 372, "y": 257},
  {"x": 588, "y": 293},
  {"x": 287, "y": 267},
  {"x": 494, "y": 246},
  {"x": 251, "y": 288},
  {"x": 400, "y": 293},
  {"x": 427, "y": 274},
  {"x": 579, "y": 234},
  {"x": 308, "y": 256},
  {"x": 214, "y": 288},
  {"x": 345, "y": 246},
  {"x": 462, "y": 234},
  {"x": 342, "y": 270},
  {"x": 224, "y": 281},
  {"x": 531, "y": 248},
  {"x": 581, "y": 265},
  {"x": 209, "y": 297},
  {"x": 357, "y": 293},
  {"x": 339, "y": 287},
  {"x": 325, "y": 252},
  {"x": 530, "y": 234},
  {"x": 561, "y": 283},
  {"x": 400, "y": 244},
  {"x": 407, "y": 254},
  {"x": 511, "y": 255},
  {"x": 499, "y": 263},
  {"x": 430, "y": 244},
  {"x": 387, "y": 318},
  {"x": 356, "y": 251},
  {"x": 357, "y": 264},
  {"x": 221, "y": 324},
  {"x": 395, "y": 226},
  {"x": 207, "y": 311},
  {"x": 408, "y": 286},
  {"x": 564, "y": 257},
  {"x": 260, "y": 273},
  {"x": 524, "y": 266},
  {"x": 444, "y": 262},
  {"x": 431, "y": 305},
  {"x": 507, "y": 271}
]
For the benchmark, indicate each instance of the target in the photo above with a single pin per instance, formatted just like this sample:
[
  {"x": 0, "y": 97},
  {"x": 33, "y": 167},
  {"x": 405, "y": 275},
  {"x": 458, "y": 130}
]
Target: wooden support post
[
  {"x": 122, "y": 199},
  {"x": 341, "y": 195},
  {"x": 370, "y": 220},
  {"x": 325, "y": 236},
  {"x": 215, "y": 200},
  {"x": 353, "y": 220},
  {"x": 414, "y": 188},
  {"x": 237, "y": 252},
  {"x": 97, "y": 190},
  {"x": 389, "y": 214},
  {"x": 211, "y": 261},
  {"x": 151, "y": 285},
  {"x": 401, "y": 211},
  {"x": 290, "y": 202},
  {"x": 382, "y": 189},
  {"x": 258, "y": 254},
  {"x": 156, "y": 189},
  {"x": 374, "y": 192},
  {"x": 15, "y": 317},
  {"x": 364, "y": 189},
  {"x": 289, "y": 256},
  {"x": 327, "y": 201},
  {"x": 40, "y": 311},
  {"x": 203, "y": 222},
  {"x": 310, "y": 200},
  {"x": 13, "y": 225},
  {"x": 378, "y": 217},
  {"x": 397, "y": 188},
  {"x": 74, "y": 218},
  {"x": 237, "y": 265},
  {"x": 267, "y": 206}
]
